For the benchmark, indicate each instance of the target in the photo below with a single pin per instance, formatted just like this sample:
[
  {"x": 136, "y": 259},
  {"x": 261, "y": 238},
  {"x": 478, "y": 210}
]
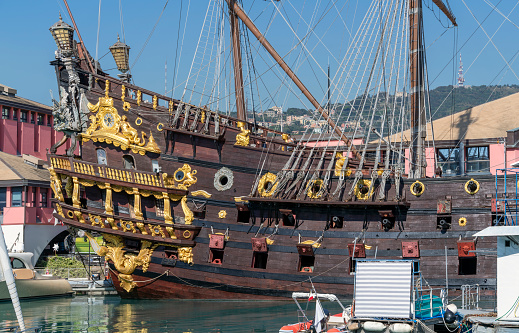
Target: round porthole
[
  {"x": 179, "y": 175},
  {"x": 160, "y": 127},
  {"x": 138, "y": 121},
  {"x": 223, "y": 179}
]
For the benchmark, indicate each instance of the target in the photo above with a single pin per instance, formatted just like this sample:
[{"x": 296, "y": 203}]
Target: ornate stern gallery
[{"x": 109, "y": 200}]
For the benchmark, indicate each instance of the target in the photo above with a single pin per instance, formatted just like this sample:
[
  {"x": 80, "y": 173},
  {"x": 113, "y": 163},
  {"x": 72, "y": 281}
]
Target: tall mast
[
  {"x": 236, "y": 57},
  {"x": 417, "y": 85},
  {"x": 250, "y": 25},
  {"x": 416, "y": 94}
]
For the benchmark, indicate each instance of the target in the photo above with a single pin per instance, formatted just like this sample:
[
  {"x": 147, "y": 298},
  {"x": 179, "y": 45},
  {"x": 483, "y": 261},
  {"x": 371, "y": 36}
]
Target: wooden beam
[{"x": 446, "y": 11}]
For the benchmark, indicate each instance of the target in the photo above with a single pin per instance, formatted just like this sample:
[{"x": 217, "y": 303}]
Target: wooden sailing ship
[{"x": 174, "y": 190}]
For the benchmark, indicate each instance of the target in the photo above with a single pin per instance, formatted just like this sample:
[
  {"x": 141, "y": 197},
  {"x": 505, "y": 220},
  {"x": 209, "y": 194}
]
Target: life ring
[
  {"x": 417, "y": 188},
  {"x": 217, "y": 261},
  {"x": 462, "y": 221},
  {"x": 472, "y": 186},
  {"x": 186, "y": 234}
]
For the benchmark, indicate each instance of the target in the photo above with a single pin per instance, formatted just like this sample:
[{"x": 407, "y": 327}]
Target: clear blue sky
[{"x": 27, "y": 45}]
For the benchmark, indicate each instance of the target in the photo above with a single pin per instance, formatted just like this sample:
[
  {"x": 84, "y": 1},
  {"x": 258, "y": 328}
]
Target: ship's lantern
[
  {"x": 120, "y": 52},
  {"x": 63, "y": 35}
]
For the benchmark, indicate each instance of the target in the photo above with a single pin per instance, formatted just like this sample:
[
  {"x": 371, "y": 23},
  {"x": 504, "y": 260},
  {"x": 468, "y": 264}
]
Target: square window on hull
[
  {"x": 259, "y": 260},
  {"x": 306, "y": 264},
  {"x": 467, "y": 266}
]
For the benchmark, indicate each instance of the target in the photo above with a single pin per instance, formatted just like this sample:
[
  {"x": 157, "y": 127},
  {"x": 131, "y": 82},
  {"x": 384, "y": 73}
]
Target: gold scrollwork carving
[
  {"x": 155, "y": 102},
  {"x": 185, "y": 254},
  {"x": 170, "y": 107},
  {"x": 55, "y": 184},
  {"x": 126, "y": 105},
  {"x": 242, "y": 138},
  {"x": 87, "y": 182},
  {"x": 139, "y": 97},
  {"x": 183, "y": 178},
  {"x": 107, "y": 126},
  {"x": 60, "y": 210},
  {"x": 267, "y": 184},
  {"x": 362, "y": 191},
  {"x": 125, "y": 263},
  {"x": 222, "y": 214},
  {"x": 128, "y": 226},
  {"x": 339, "y": 164},
  {"x": 314, "y": 186},
  {"x": 203, "y": 193},
  {"x": 156, "y": 230},
  {"x": 96, "y": 220}
]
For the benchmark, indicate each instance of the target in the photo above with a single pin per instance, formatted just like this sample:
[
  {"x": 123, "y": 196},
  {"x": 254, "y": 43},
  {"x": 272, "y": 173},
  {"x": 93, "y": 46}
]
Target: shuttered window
[{"x": 383, "y": 289}]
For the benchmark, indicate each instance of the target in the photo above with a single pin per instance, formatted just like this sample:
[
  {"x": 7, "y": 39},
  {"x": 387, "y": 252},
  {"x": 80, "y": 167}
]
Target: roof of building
[
  {"x": 16, "y": 168},
  {"x": 485, "y": 121},
  {"x": 8, "y": 96}
]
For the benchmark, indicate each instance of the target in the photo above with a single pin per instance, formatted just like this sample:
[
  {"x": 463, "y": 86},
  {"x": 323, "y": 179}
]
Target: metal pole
[{"x": 80, "y": 39}]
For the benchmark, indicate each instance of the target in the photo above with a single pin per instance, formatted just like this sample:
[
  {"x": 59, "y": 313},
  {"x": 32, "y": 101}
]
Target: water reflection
[{"x": 111, "y": 314}]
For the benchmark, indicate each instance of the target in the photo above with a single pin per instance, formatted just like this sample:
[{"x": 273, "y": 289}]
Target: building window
[
  {"x": 478, "y": 160},
  {"x": 15, "y": 114},
  {"x": 129, "y": 162},
  {"x": 3, "y": 197},
  {"x": 43, "y": 198},
  {"x": 40, "y": 119},
  {"x": 101, "y": 156},
  {"x": 23, "y": 116},
  {"x": 49, "y": 120},
  {"x": 32, "y": 117},
  {"x": 449, "y": 161},
  {"x": 155, "y": 166},
  {"x": 159, "y": 207},
  {"x": 5, "y": 112},
  {"x": 16, "y": 196}
]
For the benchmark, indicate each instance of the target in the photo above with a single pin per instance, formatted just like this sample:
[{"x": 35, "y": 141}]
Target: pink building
[
  {"x": 25, "y": 211},
  {"x": 26, "y": 126}
]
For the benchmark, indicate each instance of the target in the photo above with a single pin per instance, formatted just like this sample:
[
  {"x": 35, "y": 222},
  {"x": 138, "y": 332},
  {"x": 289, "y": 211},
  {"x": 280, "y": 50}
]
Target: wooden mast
[
  {"x": 237, "y": 65},
  {"x": 263, "y": 41},
  {"x": 417, "y": 86},
  {"x": 416, "y": 93},
  {"x": 83, "y": 48}
]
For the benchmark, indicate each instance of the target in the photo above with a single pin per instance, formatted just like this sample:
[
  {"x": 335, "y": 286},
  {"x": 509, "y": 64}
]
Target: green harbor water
[{"x": 111, "y": 314}]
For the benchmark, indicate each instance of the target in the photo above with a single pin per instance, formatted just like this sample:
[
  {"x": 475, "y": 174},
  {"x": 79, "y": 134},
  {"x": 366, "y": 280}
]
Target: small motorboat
[
  {"x": 31, "y": 284},
  {"x": 333, "y": 323}
]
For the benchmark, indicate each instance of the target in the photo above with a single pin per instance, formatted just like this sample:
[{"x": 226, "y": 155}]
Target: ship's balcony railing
[
  {"x": 126, "y": 226},
  {"x": 69, "y": 164}
]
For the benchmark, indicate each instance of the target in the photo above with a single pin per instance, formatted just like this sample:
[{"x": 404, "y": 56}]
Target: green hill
[{"x": 444, "y": 104}]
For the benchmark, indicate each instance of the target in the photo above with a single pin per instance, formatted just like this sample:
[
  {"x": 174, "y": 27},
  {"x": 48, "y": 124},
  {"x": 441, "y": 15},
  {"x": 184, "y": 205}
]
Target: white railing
[{"x": 470, "y": 296}]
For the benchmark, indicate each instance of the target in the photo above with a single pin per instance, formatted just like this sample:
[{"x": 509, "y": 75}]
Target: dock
[
  {"x": 92, "y": 287},
  {"x": 481, "y": 321}
]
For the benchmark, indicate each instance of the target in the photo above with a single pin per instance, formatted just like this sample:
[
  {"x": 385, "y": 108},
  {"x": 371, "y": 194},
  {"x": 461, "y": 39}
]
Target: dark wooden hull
[{"x": 416, "y": 218}]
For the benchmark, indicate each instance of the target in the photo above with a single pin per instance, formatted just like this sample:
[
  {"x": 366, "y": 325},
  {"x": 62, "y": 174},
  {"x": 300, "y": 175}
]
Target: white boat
[{"x": 31, "y": 284}]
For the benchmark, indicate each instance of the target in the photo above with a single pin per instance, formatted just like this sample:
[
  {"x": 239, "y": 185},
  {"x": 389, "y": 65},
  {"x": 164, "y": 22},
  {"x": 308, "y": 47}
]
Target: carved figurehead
[
  {"x": 130, "y": 133},
  {"x": 242, "y": 138}
]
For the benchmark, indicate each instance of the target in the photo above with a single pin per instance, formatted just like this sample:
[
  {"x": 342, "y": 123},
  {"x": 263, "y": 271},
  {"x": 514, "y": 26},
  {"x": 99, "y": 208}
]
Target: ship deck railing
[{"x": 90, "y": 170}]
